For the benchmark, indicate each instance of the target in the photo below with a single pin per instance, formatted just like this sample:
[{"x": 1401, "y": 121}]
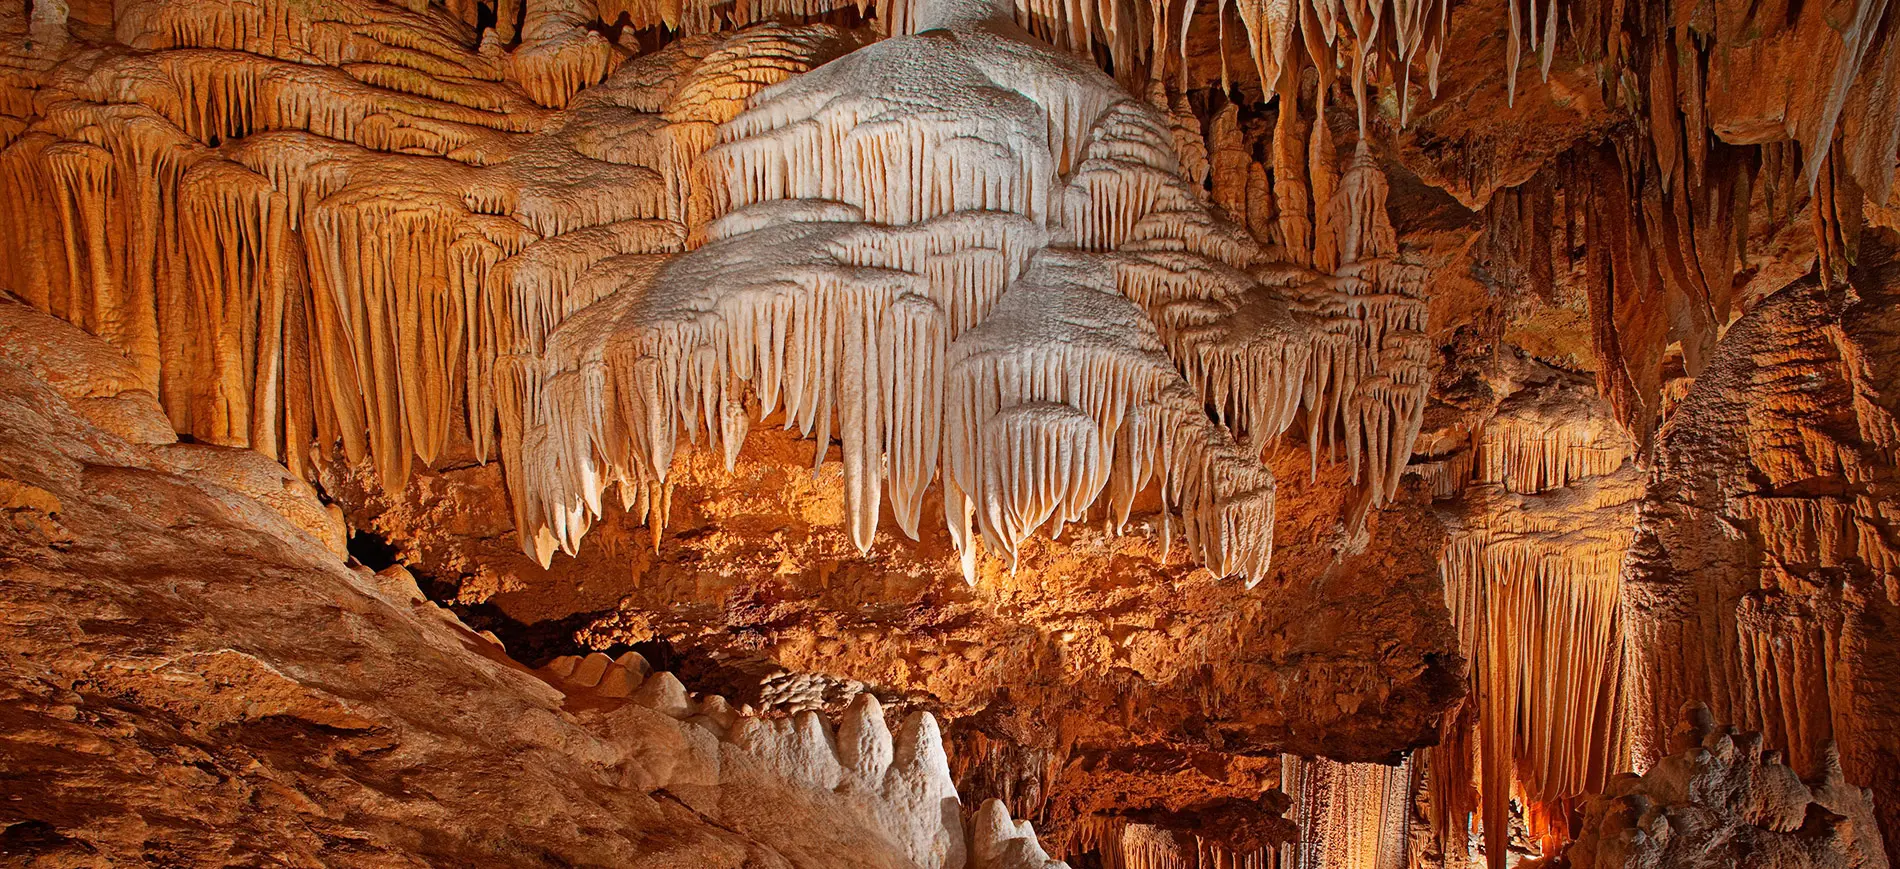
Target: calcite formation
[
  {"x": 1775, "y": 567},
  {"x": 1532, "y": 576},
  {"x": 1721, "y": 800},
  {"x": 949, "y": 433}
]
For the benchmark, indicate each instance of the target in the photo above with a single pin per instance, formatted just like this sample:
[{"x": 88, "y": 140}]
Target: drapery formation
[
  {"x": 989, "y": 276},
  {"x": 1351, "y": 815},
  {"x": 1532, "y": 572}
]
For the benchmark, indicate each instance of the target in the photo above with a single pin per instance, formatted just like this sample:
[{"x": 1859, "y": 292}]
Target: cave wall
[{"x": 1227, "y": 382}]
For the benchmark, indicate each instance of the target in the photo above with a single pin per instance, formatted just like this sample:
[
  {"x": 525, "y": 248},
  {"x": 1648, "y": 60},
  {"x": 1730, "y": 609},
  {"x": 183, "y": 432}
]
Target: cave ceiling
[{"x": 943, "y": 433}]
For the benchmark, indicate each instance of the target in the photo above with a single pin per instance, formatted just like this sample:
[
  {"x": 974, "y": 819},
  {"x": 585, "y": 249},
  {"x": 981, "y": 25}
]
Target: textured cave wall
[
  {"x": 1762, "y": 576},
  {"x": 192, "y": 679},
  {"x": 506, "y": 264}
]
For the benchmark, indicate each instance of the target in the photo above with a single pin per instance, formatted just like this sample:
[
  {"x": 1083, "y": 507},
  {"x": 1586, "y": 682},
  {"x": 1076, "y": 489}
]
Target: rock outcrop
[
  {"x": 1280, "y": 433},
  {"x": 1721, "y": 800},
  {"x": 192, "y": 678}
]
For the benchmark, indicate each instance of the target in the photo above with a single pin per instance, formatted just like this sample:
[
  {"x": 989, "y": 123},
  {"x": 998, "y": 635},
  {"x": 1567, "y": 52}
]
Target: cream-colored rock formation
[
  {"x": 1721, "y": 800},
  {"x": 1280, "y": 433}
]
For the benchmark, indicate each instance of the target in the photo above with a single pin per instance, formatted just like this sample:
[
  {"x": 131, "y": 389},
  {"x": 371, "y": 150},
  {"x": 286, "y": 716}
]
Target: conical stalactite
[
  {"x": 1293, "y": 199},
  {"x": 1190, "y": 145},
  {"x": 1230, "y": 164},
  {"x": 1370, "y": 369},
  {"x": 1350, "y": 815}
]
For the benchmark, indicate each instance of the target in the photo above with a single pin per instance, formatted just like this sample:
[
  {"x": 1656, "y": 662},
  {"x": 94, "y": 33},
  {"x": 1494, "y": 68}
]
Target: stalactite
[
  {"x": 237, "y": 246},
  {"x": 1532, "y": 578},
  {"x": 715, "y": 92},
  {"x": 381, "y": 267},
  {"x": 1350, "y": 815},
  {"x": 800, "y": 296},
  {"x": 1191, "y": 146},
  {"x": 1292, "y": 199},
  {"x": 1543, "y": 439},
  {"x": 1370, "y": 369},
  {"x": 1116, "y": 412},
  {"x": 559, "y": 54},
  {"x": 393, "y": 309},
  {"x": 1231, "y": 163},
  {"x": 1122, "y": 843}
]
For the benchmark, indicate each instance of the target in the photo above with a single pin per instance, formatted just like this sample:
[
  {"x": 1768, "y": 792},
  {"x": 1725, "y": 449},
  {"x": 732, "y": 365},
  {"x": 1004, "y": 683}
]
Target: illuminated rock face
[
  {"x": 1762, "y": 544},
  {"x": 1720, "y": 800},
  {"x": 1221, "y": 434}
]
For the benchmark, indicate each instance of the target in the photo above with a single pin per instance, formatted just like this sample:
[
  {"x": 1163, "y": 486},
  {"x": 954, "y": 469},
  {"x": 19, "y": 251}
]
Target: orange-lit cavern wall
[{"x": 943, "y": 433}]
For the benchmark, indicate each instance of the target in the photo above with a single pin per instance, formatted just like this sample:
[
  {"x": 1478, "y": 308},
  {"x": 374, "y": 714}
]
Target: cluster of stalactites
[
  {"x": 883, "y": 273},
  {"x": 1371, "y": 364},
  {"x": 1350, "y": 815},
  {"x": 1739, "y": 114},
  {"x": 1544, "y": 439},
  {"x": 1349, "y": 347},
  {"x": 369, "y": 298},
  {"x": 819, "y": 318},
  {"x": 299, "y": 282},
  {"x": 1282, "y": 35},
  {"x": 1121, "y": 843},
  {"x": 1532, "y": 576},
  {"x": 1064, "y": 393}
]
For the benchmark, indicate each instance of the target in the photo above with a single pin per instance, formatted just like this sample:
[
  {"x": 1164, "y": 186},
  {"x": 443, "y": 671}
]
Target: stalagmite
[{"x": 899, "y": 784}]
